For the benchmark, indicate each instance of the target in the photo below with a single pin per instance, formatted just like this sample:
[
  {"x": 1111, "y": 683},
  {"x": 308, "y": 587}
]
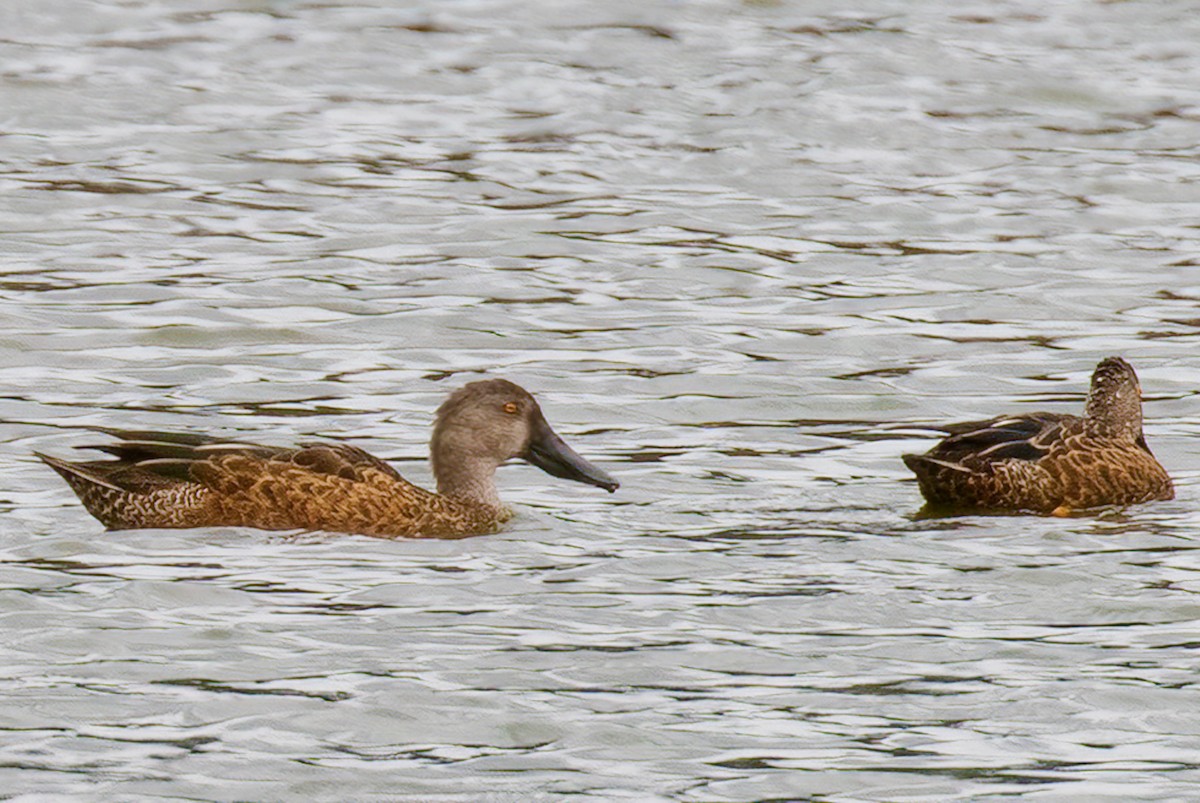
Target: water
[{"x": 742, "y": 252}]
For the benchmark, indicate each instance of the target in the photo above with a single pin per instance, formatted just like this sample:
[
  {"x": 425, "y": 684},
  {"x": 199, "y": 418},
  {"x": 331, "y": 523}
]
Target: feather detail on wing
[
  {"x": 200, "y": 458},
  {"x": 1022, "y": 437}
]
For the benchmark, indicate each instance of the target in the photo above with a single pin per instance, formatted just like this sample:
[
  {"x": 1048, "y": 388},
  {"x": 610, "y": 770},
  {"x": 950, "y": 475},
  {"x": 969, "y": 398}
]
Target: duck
[
  {"x": 1049, "y": 463},
  {"x": 186, "y": 480}
]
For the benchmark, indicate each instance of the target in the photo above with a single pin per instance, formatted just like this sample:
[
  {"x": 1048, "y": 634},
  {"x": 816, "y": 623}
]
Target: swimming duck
[
  {"x": 184, "y": 480},
  {"x": 1049, "y": 462}
]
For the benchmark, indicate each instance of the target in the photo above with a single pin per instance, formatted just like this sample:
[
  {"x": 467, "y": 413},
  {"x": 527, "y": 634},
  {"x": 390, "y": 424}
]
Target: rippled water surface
[{"x": 745, "y": 253}]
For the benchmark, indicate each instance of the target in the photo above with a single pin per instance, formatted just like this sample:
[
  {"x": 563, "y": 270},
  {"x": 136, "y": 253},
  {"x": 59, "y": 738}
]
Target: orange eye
[{"x": 511, "y": 408}]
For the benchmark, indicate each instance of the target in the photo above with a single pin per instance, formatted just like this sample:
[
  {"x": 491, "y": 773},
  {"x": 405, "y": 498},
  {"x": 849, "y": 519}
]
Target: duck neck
[{"x": 472, "y": 480}]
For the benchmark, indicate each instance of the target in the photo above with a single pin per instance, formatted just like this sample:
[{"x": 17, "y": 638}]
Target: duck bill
[{"x": 551, "y": 454}]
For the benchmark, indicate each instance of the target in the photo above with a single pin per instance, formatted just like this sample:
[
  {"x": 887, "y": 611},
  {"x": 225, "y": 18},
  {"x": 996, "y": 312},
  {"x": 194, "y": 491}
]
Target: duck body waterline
[
  {"x": 1049, "y": 462},
  {"x": 173, "y": 480}
]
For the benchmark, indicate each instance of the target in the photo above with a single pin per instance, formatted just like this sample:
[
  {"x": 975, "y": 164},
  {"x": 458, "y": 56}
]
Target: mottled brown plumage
[
  {"x": 1049, "y": 462},
  {"x": 185, "y": 480}
]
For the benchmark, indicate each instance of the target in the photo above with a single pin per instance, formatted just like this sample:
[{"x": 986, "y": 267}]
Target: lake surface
[{"x": 745, "y": 254}]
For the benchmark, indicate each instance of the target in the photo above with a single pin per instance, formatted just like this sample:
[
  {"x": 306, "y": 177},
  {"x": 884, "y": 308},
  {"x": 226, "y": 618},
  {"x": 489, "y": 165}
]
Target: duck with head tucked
[
  {"x": 174, "y": 480},
  {"x": 1049, "y": 462}
]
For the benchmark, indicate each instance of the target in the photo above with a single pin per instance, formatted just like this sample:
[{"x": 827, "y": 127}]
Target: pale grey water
[{"x": 742, "y": 252}]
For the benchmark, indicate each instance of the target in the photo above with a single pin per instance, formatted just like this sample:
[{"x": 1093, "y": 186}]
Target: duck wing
[
  {"x": 1018, "y": 437},
  {"x": 189, "y": 457}
]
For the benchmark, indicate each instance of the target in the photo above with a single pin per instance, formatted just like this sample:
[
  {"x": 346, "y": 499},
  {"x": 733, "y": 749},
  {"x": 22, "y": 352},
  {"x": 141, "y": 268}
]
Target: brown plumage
[
  {"x": 184, "y": 480},
  {"x": 1049, "y": 462}
]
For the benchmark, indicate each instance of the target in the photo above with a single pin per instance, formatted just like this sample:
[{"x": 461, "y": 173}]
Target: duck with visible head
[
  {"x": 1049, "y": 462},
  {"x": 172, "y": 480}
]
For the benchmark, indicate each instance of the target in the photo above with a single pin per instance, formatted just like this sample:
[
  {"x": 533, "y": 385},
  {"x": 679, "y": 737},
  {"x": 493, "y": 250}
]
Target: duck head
[
  {"x": 1114, "y": 404},
  {"x": 482, "y": 424}
]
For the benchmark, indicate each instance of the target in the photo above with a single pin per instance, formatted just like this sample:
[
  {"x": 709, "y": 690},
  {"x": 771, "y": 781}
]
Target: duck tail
[
  {"x": 78, "y": 475},
  {"x": 99, "y": 493}
]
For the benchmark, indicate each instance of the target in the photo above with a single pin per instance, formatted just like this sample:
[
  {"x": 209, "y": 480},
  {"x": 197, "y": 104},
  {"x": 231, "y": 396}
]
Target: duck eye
[{"x": 510, "y": 408}]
